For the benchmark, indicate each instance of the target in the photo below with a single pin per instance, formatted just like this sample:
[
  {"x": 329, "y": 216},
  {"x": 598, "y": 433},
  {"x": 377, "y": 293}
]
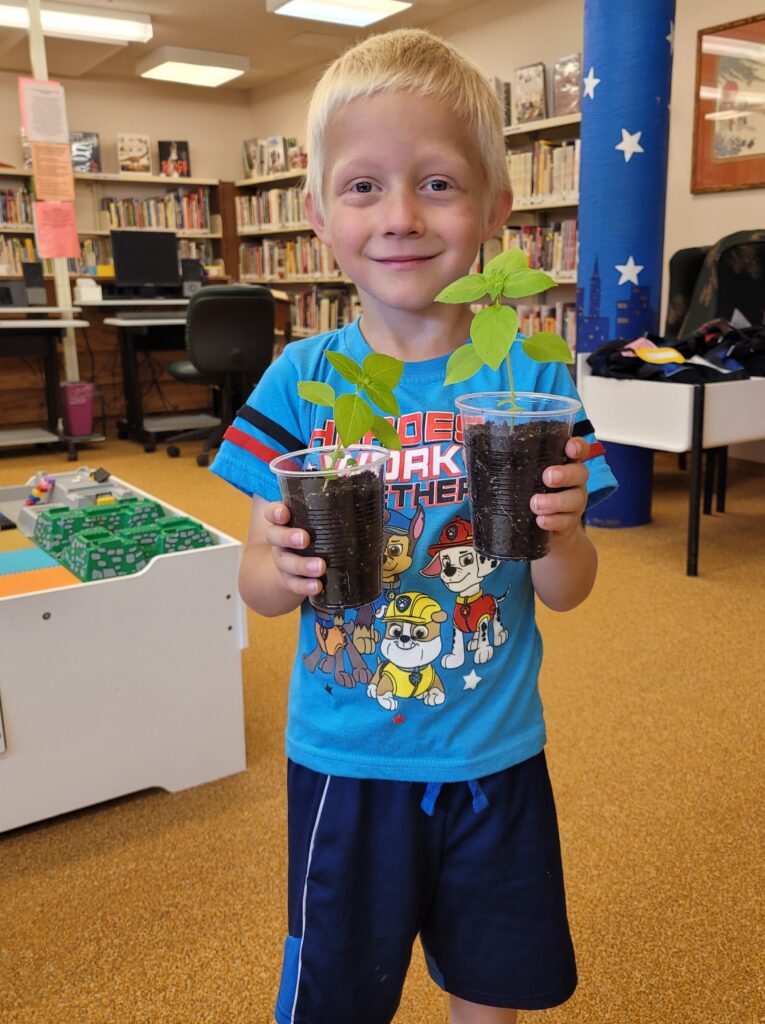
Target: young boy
[{"x": 419, "y": 800}]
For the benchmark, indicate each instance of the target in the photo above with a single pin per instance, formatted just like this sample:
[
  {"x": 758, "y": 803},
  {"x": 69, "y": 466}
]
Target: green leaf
[
  {"x": 345, "y": 366},
  {"x": 493, "y": 331},
  {"x": 382, "y": 368},
  {"x": 383, "y": 397},
  {"x": 526, "y": 282},
  {"x": 496, "y": 281},
  {"x": 508, "y": 262},
  {"x": 316, "y": 392},
  {"x": 353, "y": 418},
  {"x": 464, "y": 289},
  {"x": 463, "y": 363},
  {"x": 385, "y": 433},
  {"x": 546, "y": 347}
]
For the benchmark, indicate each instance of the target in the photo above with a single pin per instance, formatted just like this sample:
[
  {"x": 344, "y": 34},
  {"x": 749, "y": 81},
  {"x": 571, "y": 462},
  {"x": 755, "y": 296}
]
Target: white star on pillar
[
  {"x": 590, "y": 83},
  {"x": 671, "y": 37},
  {"x": 629, "y": 271},
  {"x": 472, "y": 680},
  {"x": 630, "y": 144}
]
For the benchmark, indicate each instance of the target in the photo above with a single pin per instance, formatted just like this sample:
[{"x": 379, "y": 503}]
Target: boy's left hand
[{"x": 561, "y": 513}]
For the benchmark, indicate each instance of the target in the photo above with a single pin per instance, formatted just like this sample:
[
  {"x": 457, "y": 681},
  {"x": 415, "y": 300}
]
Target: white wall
[{"x": 213, "y": 123}]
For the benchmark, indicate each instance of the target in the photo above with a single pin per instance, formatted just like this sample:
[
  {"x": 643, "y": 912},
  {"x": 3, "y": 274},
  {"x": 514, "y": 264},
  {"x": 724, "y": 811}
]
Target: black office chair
[
  {"x": 712, "y": 282},
  {"x": 229, "y": 343}
]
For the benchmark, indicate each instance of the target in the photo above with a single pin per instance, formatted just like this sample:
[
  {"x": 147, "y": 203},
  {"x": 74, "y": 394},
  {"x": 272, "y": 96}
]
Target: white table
[
  {"x": 122, "y": 684},
  {"x": 8, "y": 310},
  {"x": 36, "y": 337},
  {"x": 125, "y": 303},
  {"x": 671, "y": 417}
]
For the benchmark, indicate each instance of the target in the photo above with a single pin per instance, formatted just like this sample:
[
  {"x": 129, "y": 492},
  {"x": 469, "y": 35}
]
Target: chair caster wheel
[
  {"x": 173, "y": 451},
  {"x": 150, "y": 446},
  {"x": 203, "y": 459}
]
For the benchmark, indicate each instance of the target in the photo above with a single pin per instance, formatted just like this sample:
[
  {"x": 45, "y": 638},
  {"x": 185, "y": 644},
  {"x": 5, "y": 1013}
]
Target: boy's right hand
[{"x": 299, "y": 572}]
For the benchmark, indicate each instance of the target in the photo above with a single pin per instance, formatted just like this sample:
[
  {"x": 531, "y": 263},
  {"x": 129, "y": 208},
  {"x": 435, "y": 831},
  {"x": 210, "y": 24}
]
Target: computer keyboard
[{"x": 152, "y": 314}]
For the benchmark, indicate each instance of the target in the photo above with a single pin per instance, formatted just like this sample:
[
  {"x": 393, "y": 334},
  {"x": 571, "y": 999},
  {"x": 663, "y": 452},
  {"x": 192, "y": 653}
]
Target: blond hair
[{"x": 418, "y": 62}]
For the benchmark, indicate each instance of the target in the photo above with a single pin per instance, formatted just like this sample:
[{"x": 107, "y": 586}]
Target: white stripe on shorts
[{"x": 305, "y": 894}]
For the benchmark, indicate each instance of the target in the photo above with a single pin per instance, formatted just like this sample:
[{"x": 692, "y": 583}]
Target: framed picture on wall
[
  {"x": 530, "y": 101},
  {"x": 729, "y": 121}
]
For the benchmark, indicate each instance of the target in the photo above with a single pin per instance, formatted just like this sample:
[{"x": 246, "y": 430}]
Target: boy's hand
[
  {"x": 299, "y": 573},
  {"x": 561, "y": 513}
]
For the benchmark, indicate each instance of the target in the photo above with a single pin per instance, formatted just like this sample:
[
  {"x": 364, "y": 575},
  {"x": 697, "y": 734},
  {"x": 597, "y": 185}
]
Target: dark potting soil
[
  {"x": 504, "y": 465},
  {"x": 343, "y": 516}
]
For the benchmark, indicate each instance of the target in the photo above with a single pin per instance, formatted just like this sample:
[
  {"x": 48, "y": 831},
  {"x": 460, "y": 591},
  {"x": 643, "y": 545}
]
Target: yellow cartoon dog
[{"x": 411, "y": 644}]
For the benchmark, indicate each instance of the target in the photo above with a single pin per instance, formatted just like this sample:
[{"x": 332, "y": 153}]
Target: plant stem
[{"x": 513, "y": 403}]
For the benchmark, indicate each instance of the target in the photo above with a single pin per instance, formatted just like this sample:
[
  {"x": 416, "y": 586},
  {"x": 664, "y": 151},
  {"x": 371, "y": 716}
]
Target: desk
[
  {"x": 140, "y": 682},
  {"x": 6, "y": 310},
  {"x": 36, "y": 337},
  {"x": 136, "y": 425},
  {"x": 677, "y": 418},
  {"x": 125, "y": 303}
]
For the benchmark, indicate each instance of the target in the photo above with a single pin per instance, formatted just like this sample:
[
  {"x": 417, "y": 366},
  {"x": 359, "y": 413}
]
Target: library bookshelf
[
  {"x": 543, "y": 160},
  {"x": 277, "y": 247},
  {"x": 198, "y": 210}
]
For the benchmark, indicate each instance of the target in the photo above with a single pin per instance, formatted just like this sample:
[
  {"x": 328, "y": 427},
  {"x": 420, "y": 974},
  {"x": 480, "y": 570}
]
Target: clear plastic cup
[
  {"x": 506, "y": 452},
  {"x": 341, "y": 508}
]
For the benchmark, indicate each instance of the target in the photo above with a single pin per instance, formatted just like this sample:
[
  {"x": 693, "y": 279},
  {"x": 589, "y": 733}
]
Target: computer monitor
[{"x": 147, "y": 260}]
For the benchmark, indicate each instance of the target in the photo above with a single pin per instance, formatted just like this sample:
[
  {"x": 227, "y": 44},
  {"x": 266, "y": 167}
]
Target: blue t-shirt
[{"x": 471, "y": 706}]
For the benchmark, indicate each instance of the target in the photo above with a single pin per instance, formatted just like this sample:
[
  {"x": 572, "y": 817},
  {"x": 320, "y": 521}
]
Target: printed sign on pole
[{"x": 43, "y": 111}]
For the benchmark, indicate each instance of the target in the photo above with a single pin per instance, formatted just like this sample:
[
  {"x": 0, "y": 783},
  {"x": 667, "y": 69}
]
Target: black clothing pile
[{"x": 728, "y": 353}]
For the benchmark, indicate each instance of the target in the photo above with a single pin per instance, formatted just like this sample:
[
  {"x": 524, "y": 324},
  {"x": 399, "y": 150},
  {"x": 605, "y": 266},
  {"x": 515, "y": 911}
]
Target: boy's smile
[{"x": 405, "y": 203}]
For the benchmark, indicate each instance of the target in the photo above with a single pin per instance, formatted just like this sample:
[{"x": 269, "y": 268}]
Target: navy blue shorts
[{"x": 373, "y": 863}]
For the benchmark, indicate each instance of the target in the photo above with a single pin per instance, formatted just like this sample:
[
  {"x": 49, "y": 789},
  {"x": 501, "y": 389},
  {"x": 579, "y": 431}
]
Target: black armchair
[
  {"x": 229, "y": 343},
  {"x": 712, "y": 282}
]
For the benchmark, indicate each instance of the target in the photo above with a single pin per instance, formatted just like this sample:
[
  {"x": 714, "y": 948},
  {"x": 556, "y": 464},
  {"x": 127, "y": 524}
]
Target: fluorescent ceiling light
[
  {"x": 89, "y": 24},
  {"x": 192, "y": 67},
  {"x": 358, "y": 13}
]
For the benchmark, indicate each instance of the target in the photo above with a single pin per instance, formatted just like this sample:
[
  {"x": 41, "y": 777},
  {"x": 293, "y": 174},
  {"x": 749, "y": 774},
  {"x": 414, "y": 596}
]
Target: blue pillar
[{"x": 626, "y": 67}]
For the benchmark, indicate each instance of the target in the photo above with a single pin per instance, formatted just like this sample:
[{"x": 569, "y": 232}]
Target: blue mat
[{"x": 25, "y": 560}]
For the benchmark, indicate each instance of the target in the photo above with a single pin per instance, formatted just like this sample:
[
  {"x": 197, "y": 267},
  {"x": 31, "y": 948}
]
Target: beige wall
[
  {"x": 496, "y": 35},
  {"x": 213, "y": 123},
  {"x": 700, "y": 219}
]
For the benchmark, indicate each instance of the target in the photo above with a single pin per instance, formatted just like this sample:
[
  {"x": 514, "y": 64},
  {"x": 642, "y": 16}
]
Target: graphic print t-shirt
[{"x": 438, "y": 681}]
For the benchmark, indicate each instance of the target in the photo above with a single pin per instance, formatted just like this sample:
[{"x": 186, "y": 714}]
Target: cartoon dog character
[
  {"x": 401, "y": 536},
  {"x": 411, "y": 644},
  {"x": 462, "y": 569},
  {"x": 333, "y": 644}
]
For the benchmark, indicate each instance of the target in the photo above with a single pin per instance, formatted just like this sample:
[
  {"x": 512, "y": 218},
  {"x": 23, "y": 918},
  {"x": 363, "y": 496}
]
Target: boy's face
[{"x": 404, "y": 199}]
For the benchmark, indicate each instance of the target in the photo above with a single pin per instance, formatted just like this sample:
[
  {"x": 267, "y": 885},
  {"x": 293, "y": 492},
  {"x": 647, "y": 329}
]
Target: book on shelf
[
  {"x": 272, "y": 155},
  {"x": 566, "y": 85},
  {"x": 15, "y": 206},
  {"x": 304, "y": 256},
  {"x": 559, "y": 317},
  {"x": 14, "y": 252},
  {"x": 183, "y": 209},
  {"x": 324, "y": 308},
  {"x": 549, "y": 247},
  {"x": 272, "y": 207},
  {"x": 503, "y": 93},
  {"x": 26, "y": 151},
  {"x": 86, "y": 152},
  {"x": 530, "y": 98},
  {"x": 545, "y": 171},
  {"x": 133, "y": 153},
  {"x": 174, "y": 160}
]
